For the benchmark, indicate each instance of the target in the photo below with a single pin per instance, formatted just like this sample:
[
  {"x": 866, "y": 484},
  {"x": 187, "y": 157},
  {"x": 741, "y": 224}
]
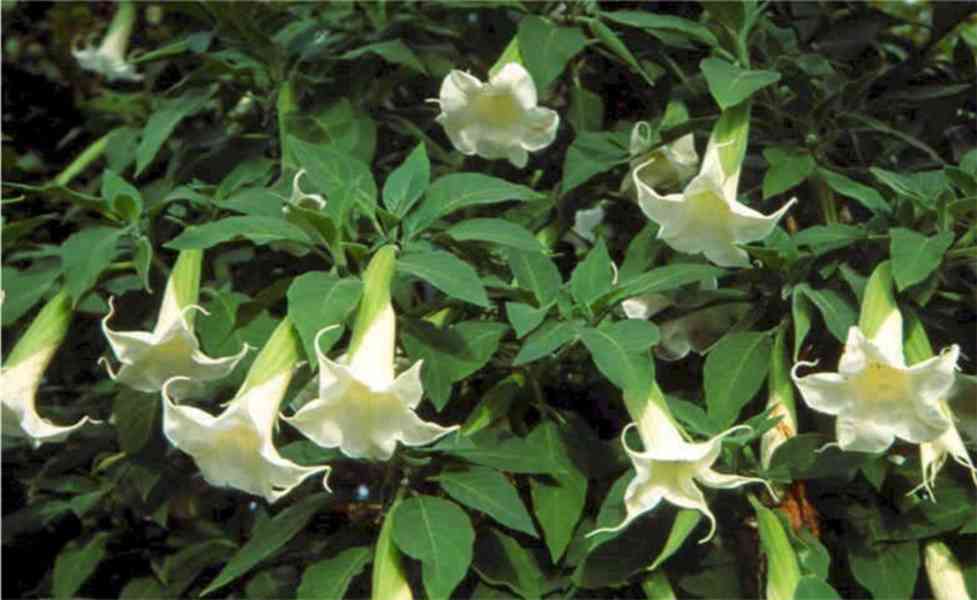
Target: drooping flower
[
  {"x": 362, "y": 408},
  {"x": 876, "y": 397},
  {"x": 669, "y": 468},
  {"x": 109, "y": 58},
  {"x": 498, "y": 119},
  {"x": 706, "y": 217},
  {"x": 21, "y": 376},
  {"x": 666, "y": 167},
  {"x": 236, "y": 448},
  {"x": 150, "y": 359},
  {"x": 586, "y": 221}
]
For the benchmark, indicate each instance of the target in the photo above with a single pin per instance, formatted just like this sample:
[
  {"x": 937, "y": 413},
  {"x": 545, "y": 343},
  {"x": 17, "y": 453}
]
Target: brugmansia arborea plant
[
  {"x": 150, "y": 359},
  {"x": 236, "y": 448},
  {"x": 23, "y": 371},
  {"x": 498, "y": 119},
  {"x": 362, "y": 408},
  {"x": 109, "y": 58},
  {"x": 670, "y": 467},
  {"x": 875, "y": 396},
  {"x": 706, "y": 217}
]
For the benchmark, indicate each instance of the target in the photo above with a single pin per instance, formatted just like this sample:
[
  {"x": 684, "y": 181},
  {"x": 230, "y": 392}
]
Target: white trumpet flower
[
  {"x": 670, "y": 467},
  {"x": 21, "y": 376},
  {"x": 362, "y": 408},
  {"x": 877, "y": 398},
  {"x": 150, "y": 359},
  {"x": 498, "y": 119},
  {"x": 109, "y": 58},
  {"x": 236, "y": 449},
  {"x": 706, "y": 217}
]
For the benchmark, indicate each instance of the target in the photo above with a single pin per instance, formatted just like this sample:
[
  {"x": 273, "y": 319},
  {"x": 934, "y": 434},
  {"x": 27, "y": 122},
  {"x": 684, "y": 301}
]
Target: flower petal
[
  {"x": 541, "y": 125},
  {"x": 860, "y": 435},
  {"x": 749, "y": 225},
  {"x": 829, "y": 393},
  {"x": 517, "y": 79}
]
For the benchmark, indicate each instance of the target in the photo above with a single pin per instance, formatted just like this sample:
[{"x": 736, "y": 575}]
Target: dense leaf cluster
[{"x": 248, "y": 114}]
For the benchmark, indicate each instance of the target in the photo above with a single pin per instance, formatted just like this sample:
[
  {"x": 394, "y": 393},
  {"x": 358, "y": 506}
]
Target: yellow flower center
[
  {"x": 499, "y": 109},
  {"x": 242, "y": 440},
  {"x": 710, "y": 212},
  {"x": 882, "y": 383}
]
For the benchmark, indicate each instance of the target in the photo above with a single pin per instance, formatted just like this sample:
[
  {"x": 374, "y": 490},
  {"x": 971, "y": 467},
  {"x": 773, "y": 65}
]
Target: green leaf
[
  {"x": 586, "y": 111},
  {"x": 788, "y": 168},
  {"x": 183, "y": 567},
  {"x": 889, "y": 571},
  {"x": 558, "y": 502},
  {"x": 345, "y": 181},
  {"x": 546, "y": 48},
  {"x": 838, "y": 315},
  {"x": 867, "y": 196},
  {"x": 734, "y": 372},
  {"x": 141, "y": 588},
  {"x": 915, "y": 256},
  {"x": 501, "y": 560},
  {"x": 656, "y": 587},
  {"x": 524, "y": 318},
  {"x": 653, "y": 23},
  {"x": 503, "y": 451},
  {"x": 544, "y": 341},
  {"x": 489, "y": 491},
  {"x": 825, "y": 238},
  {"x": 684, "y": 523},
  {"x": 592, "y": 153},
  {"x": 439, "y": 534},
  {"x": 593, "y": 276},
  {"x": 634, "y": 335},
  {"x": 76, "y": 563},
  {"x": 497, "y": 231},
  {"x": 461, "y": 190},
  {"x": 162, "y": 123},
  {"x": 495, "y": 404},
  {"x": 450, "y": 354},
  {"x": 730, "y": 84},
  {"x": 267, "y": 538},
  {"x": 258, "y": 230},
  {"x": 121, "y": 196},
  {"x": 317, "y": 300},
  {"x": 810, "y": 587},
  {"x": 85, "y": 255},
  {"x": 536, "y": 273},
  {"x": 446, "y": 272},
  {"x": 629, "y": 371},
  {"x": 663, "y": 279},
  {"x": 24, "y": 289},
  {"x": 408, "y": 182},
  {"x": 330, "y": 578},
  {"x": 392, "y": 51},
  {"x": 135, "y": 414}
]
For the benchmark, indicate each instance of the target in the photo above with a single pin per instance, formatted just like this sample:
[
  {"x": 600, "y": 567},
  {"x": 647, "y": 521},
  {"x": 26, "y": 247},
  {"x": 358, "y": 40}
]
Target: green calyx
[
  {"x": 46, "y": 331},
  {"x": 376, "y": 293}
]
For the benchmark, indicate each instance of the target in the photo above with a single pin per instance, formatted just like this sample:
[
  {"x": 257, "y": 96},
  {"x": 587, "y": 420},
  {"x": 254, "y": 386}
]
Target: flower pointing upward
[
  {"x": 150, "y": 359},
  {"x": 109, "y": 58},
  {"x": 498, "y": 119},
  {"x": 362, "y": 408},
  {"x": 235, "y": 449},
  {"x": 21, "y": 376}
]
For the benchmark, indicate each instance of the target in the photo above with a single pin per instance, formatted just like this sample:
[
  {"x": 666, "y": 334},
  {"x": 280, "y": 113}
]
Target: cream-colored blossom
[
  {"x": 877, "y": 398},
  {"x": 109, "y": 58},
  {"x": 671, "y": 468},
  {"x": 706, "y": 217},
  {"x": 498, "y": 119},
  {"x": 668, "y": 166},
  {"x": 362, "y": 408},
  {"x": 236, "y": 448},
  {"x": 946, "y": 577},
  {"x": 302, "y": 199},
  {"x": 150, "y": 359},
  {"x": 23, "y": 372}
]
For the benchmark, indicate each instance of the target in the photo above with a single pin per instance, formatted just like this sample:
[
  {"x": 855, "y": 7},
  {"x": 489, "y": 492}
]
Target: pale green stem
[
  {"x": 117, "y": 39},
  {"x": 82, "y": 161},
  {"x": 371, "y": 350},
  {"x": 46, "y": 332}
]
